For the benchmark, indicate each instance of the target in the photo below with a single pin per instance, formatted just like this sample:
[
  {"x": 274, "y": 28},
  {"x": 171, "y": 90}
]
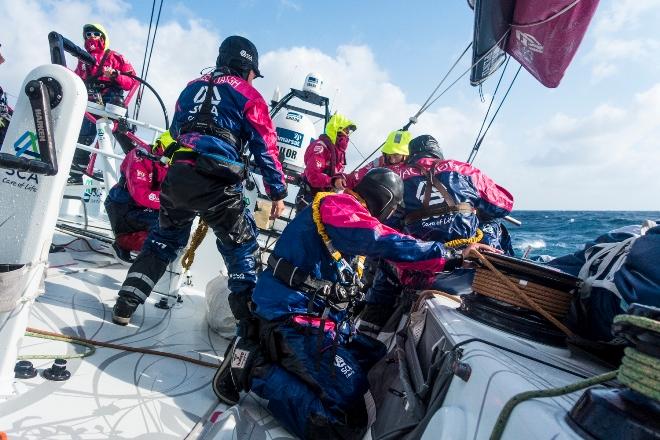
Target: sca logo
[
  {"x": 293, "y": 116},
  {"x": 27, "y": 145}
]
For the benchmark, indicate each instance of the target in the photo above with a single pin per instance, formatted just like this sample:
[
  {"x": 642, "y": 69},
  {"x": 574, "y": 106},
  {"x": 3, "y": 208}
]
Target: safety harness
[
  {"x": 92, "y": 81},
  {"x": 203, "y": 123},
  {"x": 448, "y": 206},
  {"x": 338, "y": 295}
]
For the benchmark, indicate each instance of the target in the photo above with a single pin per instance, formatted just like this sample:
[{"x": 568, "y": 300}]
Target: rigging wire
[
  {"x": 492, "y": 99},
  {"x": 428, "y": 102},
  {"x": 145, "y": 69},
  {"x": 477, "y": 144},
  {"x": 356, "y": 148},
  {"x": 153, "y": 40},
  {"x": 138, "y": 99}
]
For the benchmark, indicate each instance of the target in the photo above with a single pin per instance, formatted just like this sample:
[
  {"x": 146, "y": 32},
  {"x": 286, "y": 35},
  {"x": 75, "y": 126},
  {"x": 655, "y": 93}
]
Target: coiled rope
[
  {"x": 531, "y": 303},
  {"x": 197, "y": 238},
  {"x": 556, "y": 302},
  {"x": 638, "y": 371}
]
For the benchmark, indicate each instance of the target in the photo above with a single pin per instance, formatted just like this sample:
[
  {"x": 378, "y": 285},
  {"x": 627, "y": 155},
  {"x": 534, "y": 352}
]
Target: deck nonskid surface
[{"x": 112, "y": 393}]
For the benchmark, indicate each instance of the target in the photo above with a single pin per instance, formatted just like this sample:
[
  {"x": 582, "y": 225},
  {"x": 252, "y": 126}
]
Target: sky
[{"x": 590, "y": 144}]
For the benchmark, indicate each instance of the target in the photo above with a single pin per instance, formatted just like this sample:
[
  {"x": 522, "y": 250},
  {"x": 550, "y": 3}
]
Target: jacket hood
[{"x": 337, "y": 123}]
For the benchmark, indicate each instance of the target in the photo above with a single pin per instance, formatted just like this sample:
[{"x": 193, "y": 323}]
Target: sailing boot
[
  {"x": 124, "y": 309},
  {"x": 235, "y": 372},
  {"x": 143, "y": 274}
]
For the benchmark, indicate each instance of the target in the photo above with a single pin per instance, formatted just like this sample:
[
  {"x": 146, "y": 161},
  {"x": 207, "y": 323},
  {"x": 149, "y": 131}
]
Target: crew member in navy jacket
[
  {"x": 217, "y": 117},
  {"x": 444, "y": 200},
  {"x": 310, "y": 366}
]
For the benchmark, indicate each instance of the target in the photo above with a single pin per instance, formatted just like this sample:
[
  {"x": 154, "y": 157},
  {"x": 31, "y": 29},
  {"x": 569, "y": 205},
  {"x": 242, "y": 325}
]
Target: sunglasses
[{"x": 91, "y": 34}]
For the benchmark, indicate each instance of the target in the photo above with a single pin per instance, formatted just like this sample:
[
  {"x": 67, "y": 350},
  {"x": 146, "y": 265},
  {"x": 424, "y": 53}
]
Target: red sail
[{"x": 545, "y": 35}]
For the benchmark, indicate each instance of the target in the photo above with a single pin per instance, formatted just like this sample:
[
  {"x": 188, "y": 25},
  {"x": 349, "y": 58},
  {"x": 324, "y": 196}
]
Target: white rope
[{"x": 546, "y": 20}]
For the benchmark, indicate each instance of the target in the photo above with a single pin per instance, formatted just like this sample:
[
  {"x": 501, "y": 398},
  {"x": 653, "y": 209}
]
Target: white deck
[{"x": 112, "y": 394}]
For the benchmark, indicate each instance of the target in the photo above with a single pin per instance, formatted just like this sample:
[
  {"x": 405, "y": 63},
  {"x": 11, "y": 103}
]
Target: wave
[{"x": 534, "y": 244}]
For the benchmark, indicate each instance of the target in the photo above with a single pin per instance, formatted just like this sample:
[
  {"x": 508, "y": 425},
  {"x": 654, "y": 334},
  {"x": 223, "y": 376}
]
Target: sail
[
  {"x": 545, "y": 35},
  {"x": 491, "y": 23}
]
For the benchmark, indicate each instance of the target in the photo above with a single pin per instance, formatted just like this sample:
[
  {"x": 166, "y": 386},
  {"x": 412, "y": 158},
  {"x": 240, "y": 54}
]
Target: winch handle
[
  {"x": 59, "y": 44},
  {"x": 512, "y": 220}
]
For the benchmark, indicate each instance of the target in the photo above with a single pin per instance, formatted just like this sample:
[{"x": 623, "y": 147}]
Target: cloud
[
  {"x": 606, "y": 158},
  {"x": 625, "y": 31},
  {"x": 361, "y": 89},
  {"x": 624, "y": 14},
  {"x": 181, "y": 50},
  {"x": 603, "y": 158},
  {"x": 290, "y": 4},
  {"x": 607, "y": 53}
]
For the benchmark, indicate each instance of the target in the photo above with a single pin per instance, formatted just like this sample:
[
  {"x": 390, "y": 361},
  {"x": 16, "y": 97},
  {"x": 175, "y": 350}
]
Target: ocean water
[{"x": 557, "y": 233}]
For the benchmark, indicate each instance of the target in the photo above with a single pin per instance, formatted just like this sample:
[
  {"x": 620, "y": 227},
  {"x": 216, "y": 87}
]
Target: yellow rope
[
  {"x": 197, "y": 238},
  {"x": 320, "y": 227},
  {"x": 465, "y": 241}
]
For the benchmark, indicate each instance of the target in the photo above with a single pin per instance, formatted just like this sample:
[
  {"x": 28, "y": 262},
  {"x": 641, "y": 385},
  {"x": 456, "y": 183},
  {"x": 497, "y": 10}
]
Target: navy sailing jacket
[
  {"x": 238, "y": 107},
  {"x": 464, "y": 183}
]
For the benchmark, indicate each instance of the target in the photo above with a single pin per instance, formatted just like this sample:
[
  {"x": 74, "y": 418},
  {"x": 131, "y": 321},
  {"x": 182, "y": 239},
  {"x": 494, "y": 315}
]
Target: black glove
[{"x": 240, "y": 305}]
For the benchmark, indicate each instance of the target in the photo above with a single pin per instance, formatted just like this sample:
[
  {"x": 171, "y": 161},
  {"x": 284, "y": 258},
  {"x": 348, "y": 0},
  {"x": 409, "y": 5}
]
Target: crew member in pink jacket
[
  {"x": 107, "y": 82},
  {"x": 325, "y": 159},
  {"x": 133, "y": 203},
  {"x": 394, "y": 155}
]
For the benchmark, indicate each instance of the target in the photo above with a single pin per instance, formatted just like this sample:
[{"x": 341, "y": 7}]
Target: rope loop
[
  {"x": 197, "y": 238},
  {"x": 478, "y": 236}
]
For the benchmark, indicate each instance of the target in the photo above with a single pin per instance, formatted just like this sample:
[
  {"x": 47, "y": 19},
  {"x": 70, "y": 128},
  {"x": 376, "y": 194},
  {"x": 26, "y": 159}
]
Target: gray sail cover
[{"x": 491, "y": 23}]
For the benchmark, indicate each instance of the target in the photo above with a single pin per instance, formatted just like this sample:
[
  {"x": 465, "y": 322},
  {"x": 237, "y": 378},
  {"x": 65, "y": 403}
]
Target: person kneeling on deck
[
  {"x": 325, "y": 159},
  {"x": 394, "y": 155},
  {"x": 310, "y": 364},
  {"x": 216, "y": 116},
  {"x": 447, "y": 201},
  {"x": 133, "y": 203}
]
